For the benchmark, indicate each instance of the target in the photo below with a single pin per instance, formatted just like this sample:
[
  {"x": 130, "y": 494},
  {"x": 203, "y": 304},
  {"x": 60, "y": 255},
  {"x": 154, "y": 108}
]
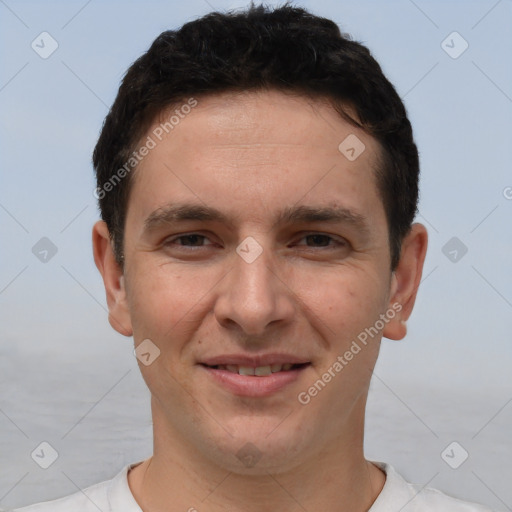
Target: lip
[
  {"x": 254, "y": 360},
  {"x": 252, "y": 385}
]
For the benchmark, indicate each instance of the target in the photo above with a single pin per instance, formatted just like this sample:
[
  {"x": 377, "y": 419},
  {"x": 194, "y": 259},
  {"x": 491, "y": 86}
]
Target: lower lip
[{"x": 253, "y": 386}]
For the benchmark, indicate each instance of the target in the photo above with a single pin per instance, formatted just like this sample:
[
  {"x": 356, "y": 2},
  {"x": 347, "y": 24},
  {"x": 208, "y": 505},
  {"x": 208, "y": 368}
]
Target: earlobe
[
  {"x": 113, "y": 279},
  {"x": 406, "y": 279}
]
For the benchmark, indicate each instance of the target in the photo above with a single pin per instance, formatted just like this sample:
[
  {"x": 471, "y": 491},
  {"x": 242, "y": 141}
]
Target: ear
[
  {"x": 406, "y": 280},
  {"x": 113, "y": 279}
]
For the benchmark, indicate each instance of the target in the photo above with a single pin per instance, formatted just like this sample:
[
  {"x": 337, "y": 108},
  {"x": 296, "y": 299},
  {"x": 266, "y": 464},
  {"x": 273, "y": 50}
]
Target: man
[{"x": 258, "y": 181}]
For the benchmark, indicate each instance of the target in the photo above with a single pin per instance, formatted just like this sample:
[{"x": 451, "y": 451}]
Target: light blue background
[{"x": 67, "y": 378}]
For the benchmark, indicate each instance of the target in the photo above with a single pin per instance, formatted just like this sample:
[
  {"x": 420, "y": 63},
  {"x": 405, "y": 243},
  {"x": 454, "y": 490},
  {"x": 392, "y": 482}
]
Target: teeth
[
  {"x": 246, "y": 370},
  {"x": 260, "y": 371}
]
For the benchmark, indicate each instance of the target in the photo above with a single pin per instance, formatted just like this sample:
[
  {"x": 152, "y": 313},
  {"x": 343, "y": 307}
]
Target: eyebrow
[{"x": 174, "y": 213}]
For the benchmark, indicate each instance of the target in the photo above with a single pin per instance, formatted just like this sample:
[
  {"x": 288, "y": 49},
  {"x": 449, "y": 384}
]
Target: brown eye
[
  {"x": 191, "y": 240},
  {"x": 188, "y": 240},
  {"x": 321, "y": 240}
]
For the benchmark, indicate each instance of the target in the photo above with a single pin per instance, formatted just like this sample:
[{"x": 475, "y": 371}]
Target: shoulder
[
  {"x": 107, "y": 496},
  {"x": 88, "y": 500},
  {"x": 397, "y": 494}
]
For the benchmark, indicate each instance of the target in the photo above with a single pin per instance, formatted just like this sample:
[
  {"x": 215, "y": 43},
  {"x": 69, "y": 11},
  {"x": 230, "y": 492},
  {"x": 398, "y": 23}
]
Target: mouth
[
  {"x": 255, "y": 381},
  {"x": 258, "y": 371}
]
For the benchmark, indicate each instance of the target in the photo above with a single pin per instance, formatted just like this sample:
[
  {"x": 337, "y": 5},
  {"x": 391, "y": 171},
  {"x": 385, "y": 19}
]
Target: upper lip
[{"x": 253, "y": 360}]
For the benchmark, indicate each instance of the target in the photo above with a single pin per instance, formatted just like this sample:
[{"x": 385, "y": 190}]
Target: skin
[{"x": 249, "y": 155}]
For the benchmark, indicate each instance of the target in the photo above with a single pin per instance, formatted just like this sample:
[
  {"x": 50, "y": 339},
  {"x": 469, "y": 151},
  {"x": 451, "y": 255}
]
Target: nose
[{"x": 254, "y": 297}]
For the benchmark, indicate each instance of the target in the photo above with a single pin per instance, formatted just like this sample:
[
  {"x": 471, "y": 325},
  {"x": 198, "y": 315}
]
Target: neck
[{"x": 179, "y": 478}]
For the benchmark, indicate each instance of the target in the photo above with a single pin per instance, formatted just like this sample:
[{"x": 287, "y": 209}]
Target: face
[{"x": 253, "y": 242}]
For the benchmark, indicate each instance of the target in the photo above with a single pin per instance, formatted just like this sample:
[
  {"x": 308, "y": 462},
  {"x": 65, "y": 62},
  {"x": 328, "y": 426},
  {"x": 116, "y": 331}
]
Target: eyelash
[{"x": 330, "y": 238}]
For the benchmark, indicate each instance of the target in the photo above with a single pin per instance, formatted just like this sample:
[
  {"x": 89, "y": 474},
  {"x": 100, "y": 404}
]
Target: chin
[{"x": 260, "y": 447}]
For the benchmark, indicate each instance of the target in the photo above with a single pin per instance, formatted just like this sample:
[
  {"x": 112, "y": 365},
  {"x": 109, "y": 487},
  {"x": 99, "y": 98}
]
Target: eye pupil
[
  {"x": 193, "y": 238},
  {"x": 321, "y": 240}
]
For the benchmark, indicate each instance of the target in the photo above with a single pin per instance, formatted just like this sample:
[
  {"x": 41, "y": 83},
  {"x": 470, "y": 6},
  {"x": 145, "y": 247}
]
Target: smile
[
  {"x": 255, "y": 381},
  {"x": 259, "y": 371}
]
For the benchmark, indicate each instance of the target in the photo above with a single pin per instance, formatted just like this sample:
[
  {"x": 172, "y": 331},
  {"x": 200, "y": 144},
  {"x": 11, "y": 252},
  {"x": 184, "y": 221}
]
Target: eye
[
  {"x": 322, "y": 240},
  {"x": 188, "y": 240},
  {"x": 313, "y": 240}
]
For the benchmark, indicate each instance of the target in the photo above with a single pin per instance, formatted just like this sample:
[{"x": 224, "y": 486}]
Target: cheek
[
  {"x": 162, "y": 300},
  {"x": 342, "y": 302},
  {"x": 164, "y": 306}
]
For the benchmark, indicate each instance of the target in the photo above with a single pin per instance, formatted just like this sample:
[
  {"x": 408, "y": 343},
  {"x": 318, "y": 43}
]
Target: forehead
[
  {"x": 273, "y": 148},
  {"x": 249, "y": 118}
]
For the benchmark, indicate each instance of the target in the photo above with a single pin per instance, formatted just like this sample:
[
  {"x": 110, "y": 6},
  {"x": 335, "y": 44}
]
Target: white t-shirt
[{"x": 397, "y": 495}]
